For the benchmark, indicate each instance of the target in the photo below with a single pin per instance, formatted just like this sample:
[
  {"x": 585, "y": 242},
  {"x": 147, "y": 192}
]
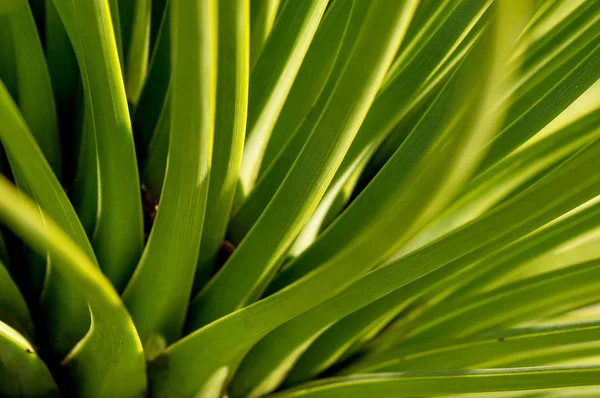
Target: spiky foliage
[{"x": 299, "y": 198}]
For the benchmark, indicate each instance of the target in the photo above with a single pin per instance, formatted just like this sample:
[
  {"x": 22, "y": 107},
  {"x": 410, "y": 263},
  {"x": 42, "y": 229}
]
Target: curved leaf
[
  {"x": 158, "y": 292},
  {"x": 453, "y": 125},
  {"x": 442, "y": 383},
  {"x": 308, "y": 178},
  {"x": 153, "y": 96},
  {"x": 463, "y": 272},
  {"x": 109, "y": 361},
  {"x": 187, "y": 365},
  {"x": 571, "y": 287},
  {"x": 232, "y": 98},
  {"x": 118, "y": 234},
  {"x": 263, "y": 13},
  {"x": 249, "y": 212},
  {"x": 34, "y": 94},
  {"x": 67, "y": 312},
  {"x": 13, "y": 309},
  {"x": 136, "y": 65},
  {"x": 494, "y": 349},
  {"x": 22, "y": 372},
  {"x": 272, "y": 77},
  {"x": 312, "y": 76}
]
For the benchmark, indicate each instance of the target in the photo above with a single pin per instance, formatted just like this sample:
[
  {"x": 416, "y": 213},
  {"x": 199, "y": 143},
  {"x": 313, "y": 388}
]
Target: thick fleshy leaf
[
  {"x": 159, "y": 291},
  {"x": 34, "y": 94},
  {"x": 109, "y": 361},
  {"x": 230, "y": 125},
  {"x": 118, "y": 233},
  {"x": 22, "y": 372},
  {"x": 67, "y": 313}
]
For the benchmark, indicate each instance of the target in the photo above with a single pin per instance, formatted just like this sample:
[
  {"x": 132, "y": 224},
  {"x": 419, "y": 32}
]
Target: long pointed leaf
[
  {"x": 158, "y": 293},
  {"x": 118, "y": 234},
  {"x": 272, "y": 78},
  {"x": 495, "y": 349},
  {"x": 109, "y": 360},
  {"x": 232, "y": 97},
  {"x": 306, "y": 182},
  {"x": 458, "y": 382},
  {"x": 218, "y": 346},
  {"x": 35, "y": 96},
  {"x": 67, "y": 312}
]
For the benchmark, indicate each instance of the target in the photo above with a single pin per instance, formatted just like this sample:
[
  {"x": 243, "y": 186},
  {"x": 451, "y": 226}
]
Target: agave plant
[{"x": 299, "y": 198}]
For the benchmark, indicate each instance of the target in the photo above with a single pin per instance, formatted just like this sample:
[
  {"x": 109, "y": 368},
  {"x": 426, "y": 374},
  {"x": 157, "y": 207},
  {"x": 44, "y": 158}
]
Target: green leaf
[
  {"x": 118, "y": 234},
  {"x": 109, "y": 360},
  {"x": 62, "y": 66},
  {"x": 258, "y": 199},
  {"x": 566, "y": 28},
  {"x": 571, "y": 288},
  {"x": 537, "y": 79},
  {"x": 68, "y": 314},
  {"x": 262, "y": 17},
  {"x": 85, "y": 186},
  {"x": 541, "y": 241},
  {"x": 418, "y": 73},
  {"x": 272, "y": 77},
  {"x": 22, "y": 372},
  {"x": 220, "y": 344},
  {"x": 158, "y": 13},
  {"x": 442, "y": 383},
  {"x": 155, "y": 164},
  {"x": 13, "y": 309},
  {"x": 492, "y": 350},
  {"x": 386, "y": 201},
  {"x": 8, "y": 72},
  {"x": 329, "y": 208},
  {"x": 136, "y": 65},
  {"x": 475, "y": 272},
  {"x": 317, "y": 66},
  {"x": 116, "y": 23},
  {"x": 391, "y": 105},
  {"x": 308, "y": 178},
  {"x": 8, "y": 6},
  {"x": 409, "y": 190},
  {"x": 232, "y": 99},
  {"x": 543, "y": 102},
  {"x": 125, "y": 14},
  {"x": 159, "y": 291},
  {"x": 153, "y": 96},
  {"x": 35, "y": 96},
  {"x": 504, "y": 178}
]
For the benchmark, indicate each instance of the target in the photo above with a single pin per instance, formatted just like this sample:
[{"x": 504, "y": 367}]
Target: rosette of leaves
[{"x": 299, "y": 198}]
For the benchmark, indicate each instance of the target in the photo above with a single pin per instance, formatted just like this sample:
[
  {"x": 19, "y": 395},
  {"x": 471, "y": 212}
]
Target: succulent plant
[{"x": 299, "y": 198}]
